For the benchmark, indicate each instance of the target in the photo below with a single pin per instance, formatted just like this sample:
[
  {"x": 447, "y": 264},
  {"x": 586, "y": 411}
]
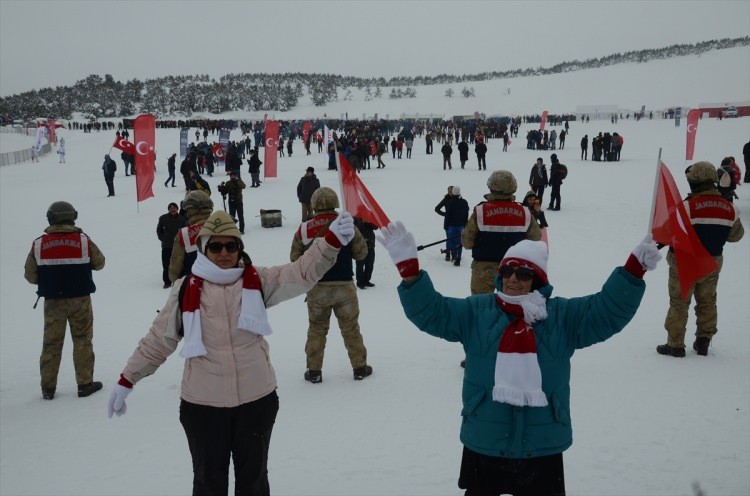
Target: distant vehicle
[{"x": 729, "y": 111}]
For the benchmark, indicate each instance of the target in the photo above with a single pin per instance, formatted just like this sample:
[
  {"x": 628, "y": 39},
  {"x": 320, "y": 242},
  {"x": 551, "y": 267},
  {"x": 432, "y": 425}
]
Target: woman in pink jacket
[{"x": 228, "y": 399}]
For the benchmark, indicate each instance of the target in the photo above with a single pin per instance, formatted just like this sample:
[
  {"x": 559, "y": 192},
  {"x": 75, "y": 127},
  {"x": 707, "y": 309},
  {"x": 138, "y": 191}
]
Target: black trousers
[
  {"x": 483, "y": 475},
  {"x": 365, "y": 266},
  {"x": 554, "y": 197},
  {"x": 244, "y": 432},
  {"x": 237, "y": 210},
  {"x": 166, "y": 254}
]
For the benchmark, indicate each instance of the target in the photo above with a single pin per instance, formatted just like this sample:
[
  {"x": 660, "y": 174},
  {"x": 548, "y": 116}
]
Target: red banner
[
  {"x": 544, "y": 121},
  {"x": 357, "y": 199},
  {"x": 218, "y": 151},
  {"x": 692, "y": 130},
  {"x": 124, "y": 145},
  {"x": 305, "y": 131},
  {"x": 270, "y": 155},
  {"x": 51, "y": 124},
  {"x": 144, "y": 135},
  {"x": 671, "y": 226}
]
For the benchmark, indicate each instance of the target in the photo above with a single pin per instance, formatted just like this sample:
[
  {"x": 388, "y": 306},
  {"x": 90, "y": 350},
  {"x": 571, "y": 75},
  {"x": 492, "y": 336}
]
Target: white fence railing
[{"x": 10, "y": 158}]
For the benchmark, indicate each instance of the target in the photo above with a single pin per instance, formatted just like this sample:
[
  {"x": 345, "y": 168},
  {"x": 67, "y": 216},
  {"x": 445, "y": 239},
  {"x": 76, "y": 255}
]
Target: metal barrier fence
[{"x": 10, "y": 158}]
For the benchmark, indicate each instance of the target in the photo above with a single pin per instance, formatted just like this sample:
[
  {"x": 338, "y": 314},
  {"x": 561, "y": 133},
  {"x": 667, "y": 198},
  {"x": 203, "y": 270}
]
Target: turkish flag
[
  {"x": 144, "y": 135},
  {"x": 51, "y": 125},
  {"x": 544, "y": 121},
  {"x": 270, "y": 155},
  {"x": 671, "y": 226},
  {"x": 124, "y": 145},
  {"x": 218, "y": 150},
  {"x": 692, "y": 130},
  {"x": 357, "y": 199},
  {"x": 306, "y": 131}
]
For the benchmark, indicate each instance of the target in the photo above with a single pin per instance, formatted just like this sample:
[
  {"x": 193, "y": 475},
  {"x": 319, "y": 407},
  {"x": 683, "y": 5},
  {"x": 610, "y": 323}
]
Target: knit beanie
[{"x": 530, "y": 254}]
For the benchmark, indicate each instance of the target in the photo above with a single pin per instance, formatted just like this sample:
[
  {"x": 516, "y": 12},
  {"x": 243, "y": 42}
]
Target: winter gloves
[
  {"x": 341, "y": 230},
  {"x": 644, "y": 257},
  {"x": 401, "y": 247},
  {"x": 116, "y": 403}
]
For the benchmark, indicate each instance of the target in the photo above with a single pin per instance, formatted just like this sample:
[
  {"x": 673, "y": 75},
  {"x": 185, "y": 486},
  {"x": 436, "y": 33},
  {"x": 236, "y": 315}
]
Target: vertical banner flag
[
  {"x": 544, "y": 121},
  {"x": 326, "y": 137},
  {"x": 224, "y": 142},
  {"x": 357, "y": 199},
  {"x": 306, "y": 132},
  {"x": 270, "y": 155},
  {"x": 39, "y": 136},
  {"x": 51, "y": 125},
  {"x": 677, "y": 116},
  {"x": 670, "y": 225},
  {"x": 692, "y": 131},
  {"x": 144, "y": 136},
  {"x": 183, "y": 143},
  {"x": 643, "y": 110}
]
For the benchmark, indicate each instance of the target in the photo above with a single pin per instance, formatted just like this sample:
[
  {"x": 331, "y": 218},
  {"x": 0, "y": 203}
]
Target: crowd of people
[{"x": 205, "y": 266}]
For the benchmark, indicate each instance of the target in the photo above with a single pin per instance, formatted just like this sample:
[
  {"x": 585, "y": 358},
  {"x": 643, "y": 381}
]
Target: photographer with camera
[{"x": 232, "y": 189}]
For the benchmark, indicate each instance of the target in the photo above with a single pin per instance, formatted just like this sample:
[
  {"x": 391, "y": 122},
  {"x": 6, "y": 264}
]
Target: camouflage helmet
[
  {"x": 502, "y": 182},
  {"x": 61, "y": 212},
  {"x": 324, "y": 199},
  {"x": 197, "y": 200},
  {"x": 701, "y": 172}
]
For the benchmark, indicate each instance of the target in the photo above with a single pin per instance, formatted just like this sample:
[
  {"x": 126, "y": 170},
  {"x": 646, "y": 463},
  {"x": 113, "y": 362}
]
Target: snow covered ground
[{"x": 643, "y": 424}]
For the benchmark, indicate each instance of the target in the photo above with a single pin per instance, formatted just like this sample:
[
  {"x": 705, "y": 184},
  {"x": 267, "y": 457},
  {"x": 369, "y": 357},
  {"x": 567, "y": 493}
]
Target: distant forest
[{"x": 96, "y": 96}]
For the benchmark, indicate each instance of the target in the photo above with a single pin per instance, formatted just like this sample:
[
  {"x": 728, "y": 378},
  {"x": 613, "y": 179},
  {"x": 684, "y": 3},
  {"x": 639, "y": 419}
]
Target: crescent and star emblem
[
  {"x": 138, "y": 148},
  {"x": 269, "y": 142}
]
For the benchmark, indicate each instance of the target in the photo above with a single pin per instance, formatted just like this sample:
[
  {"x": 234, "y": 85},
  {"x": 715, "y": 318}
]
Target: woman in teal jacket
[{"x": 518, "y": 344}]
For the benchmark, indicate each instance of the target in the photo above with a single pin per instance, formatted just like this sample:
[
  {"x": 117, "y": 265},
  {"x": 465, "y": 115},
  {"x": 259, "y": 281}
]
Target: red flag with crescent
[
  {"x": 124, "y": 145},
  {"x": 544, "y": 121},
  {"x": 671, "y": 226},
  {"x": 270, "y": 155},
  {"x": 218, "y": 150},
  {"x": 692, "y": 130},
  {"x": 144, "y": 135},
  {"x": 357, "y": 198},
  {"x": 306, "y": 131}
]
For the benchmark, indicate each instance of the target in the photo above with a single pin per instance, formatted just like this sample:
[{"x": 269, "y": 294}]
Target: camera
[{"x": 223, "y": 189}]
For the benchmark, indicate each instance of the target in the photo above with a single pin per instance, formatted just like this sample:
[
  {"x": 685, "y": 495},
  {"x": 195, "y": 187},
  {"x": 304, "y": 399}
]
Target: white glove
[
  {"x": 116, "y": 403},
  {"x": 647, "y": 253},
  {"x": 343, "y": 228},
  {"x": 401, "y": 247}
]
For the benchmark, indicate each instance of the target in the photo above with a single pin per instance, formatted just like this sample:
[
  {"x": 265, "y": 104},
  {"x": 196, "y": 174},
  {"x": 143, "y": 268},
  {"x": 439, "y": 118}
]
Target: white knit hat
[
  {"x": 530, "y": 254},
  {"x": 456, "y": 191}
]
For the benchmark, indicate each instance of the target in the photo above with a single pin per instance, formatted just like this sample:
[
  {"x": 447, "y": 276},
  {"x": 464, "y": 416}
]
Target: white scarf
[{"x": 253, "y": 317}]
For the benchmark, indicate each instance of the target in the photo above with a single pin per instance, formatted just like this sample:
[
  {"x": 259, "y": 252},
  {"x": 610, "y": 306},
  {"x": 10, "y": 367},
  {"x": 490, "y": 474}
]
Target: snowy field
[
  {"x": 11, "y": 142},
  {"x": 643, "y": 424}
]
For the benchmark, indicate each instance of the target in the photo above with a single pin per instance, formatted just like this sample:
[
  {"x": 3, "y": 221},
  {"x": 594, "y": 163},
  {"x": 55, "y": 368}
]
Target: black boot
[
  {"x": 362, "y": 372},
  {"x": 701, "y": 346},
  {"x": 314, "y": 376},
  {"x": 88, "y": 389},
  {"x": 665, "y": 349},
  {"x": 48, "y": 393}
]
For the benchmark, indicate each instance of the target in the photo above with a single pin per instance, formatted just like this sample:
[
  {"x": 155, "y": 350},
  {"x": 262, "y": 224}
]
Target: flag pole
[
  {"x": 339, "y": 171},
  {"x": 653, "y": 197}
]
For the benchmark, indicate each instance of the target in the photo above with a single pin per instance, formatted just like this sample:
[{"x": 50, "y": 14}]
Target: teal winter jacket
[{"x": 477, "y": 322}]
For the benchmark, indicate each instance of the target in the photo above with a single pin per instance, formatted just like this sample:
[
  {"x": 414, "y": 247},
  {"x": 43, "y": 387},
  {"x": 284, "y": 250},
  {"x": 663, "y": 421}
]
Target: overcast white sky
[{"x": 47, "y": 43}]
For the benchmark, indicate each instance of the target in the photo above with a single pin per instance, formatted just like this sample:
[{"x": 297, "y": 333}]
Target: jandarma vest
[
  {"x": 501, "y": 224},
  {"x": 63, "y": 265},
  {"x": 712, "y": 218},
  {"x": 316, "y": 227}
]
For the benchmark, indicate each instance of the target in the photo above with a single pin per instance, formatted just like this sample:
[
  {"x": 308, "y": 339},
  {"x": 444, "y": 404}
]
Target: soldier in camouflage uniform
[
  {"x": 334, "y": 292},
  {"x": 716, "y": 221},
  {"x": 60, "y": 264},
  {"x": 494, "y": 226},
  {"x": 197, "y": 206}
]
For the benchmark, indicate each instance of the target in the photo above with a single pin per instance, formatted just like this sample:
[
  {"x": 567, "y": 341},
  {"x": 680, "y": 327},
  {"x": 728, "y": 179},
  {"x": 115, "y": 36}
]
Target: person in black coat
[
  {"x": 557, "y": 172},
  {"x": 585, "y": 147},
  {"x": 109, "y": 167},
  {"x": 166, "y": 230},
  {"x": 481, "y": 150},
  {"x": 456, "y": 215},
  {"x": 307, "y": 185},
  {"x": 364, "y": 267},
  {"x": 171, "y": 167},
  {"x": 463, "y": 152},
  {"x": 538, "y": 178},
  {"x": 254, "y": 168}
]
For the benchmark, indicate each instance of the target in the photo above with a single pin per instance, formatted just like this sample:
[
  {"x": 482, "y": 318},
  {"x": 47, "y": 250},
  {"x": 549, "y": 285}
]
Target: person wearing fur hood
[
  {"x": 228, "y": 397},
  {"x": 518, "y": 343}
]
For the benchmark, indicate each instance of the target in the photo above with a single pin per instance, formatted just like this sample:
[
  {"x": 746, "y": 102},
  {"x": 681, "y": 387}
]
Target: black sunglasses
[
  {"x": 216, "y": 247},
  {"x": 522, "y": 273}
]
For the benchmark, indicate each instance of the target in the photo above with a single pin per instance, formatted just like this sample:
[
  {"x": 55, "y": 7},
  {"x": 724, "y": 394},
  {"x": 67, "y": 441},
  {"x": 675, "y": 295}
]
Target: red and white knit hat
[{"x": 530, "y": 254}]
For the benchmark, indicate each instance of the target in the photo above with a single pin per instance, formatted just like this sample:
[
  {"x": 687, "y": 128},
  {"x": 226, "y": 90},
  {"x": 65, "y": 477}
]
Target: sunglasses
[
  {"x": 216, "y": 247},
  {"x": 522, "y": 273}
]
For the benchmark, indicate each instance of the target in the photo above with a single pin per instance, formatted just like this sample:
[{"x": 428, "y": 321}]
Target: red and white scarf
[
  {"x": 253, "y": 317},
  {"x": 518, "y": 379}
]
